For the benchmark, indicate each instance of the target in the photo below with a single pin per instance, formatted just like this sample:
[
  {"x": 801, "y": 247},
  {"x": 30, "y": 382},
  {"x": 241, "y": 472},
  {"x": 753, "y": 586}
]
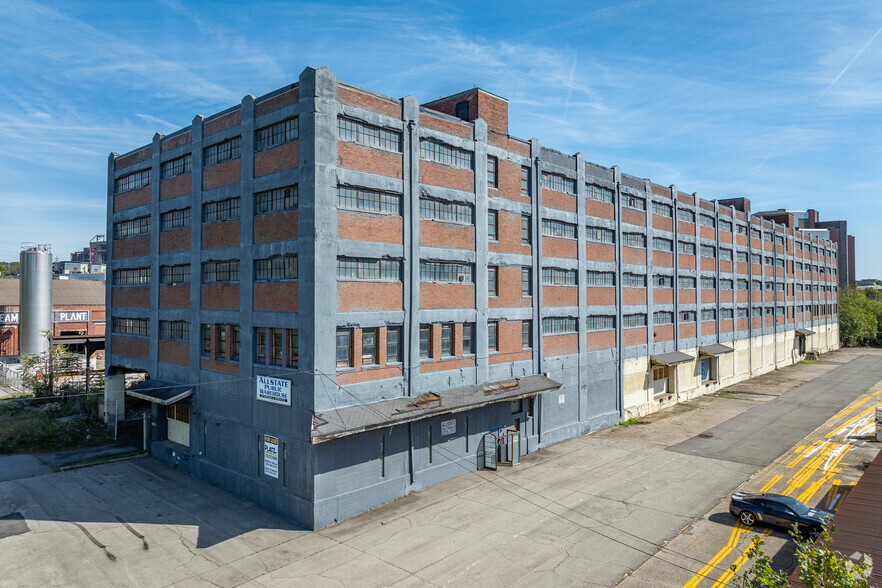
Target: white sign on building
[
  {"x": 271, "y": 456},
  {"x": 8, "y": 318},
  {"x": 70, "y": 316},
  {"x": 448, "y": 427},
  {"x": 275, "y": 390}
]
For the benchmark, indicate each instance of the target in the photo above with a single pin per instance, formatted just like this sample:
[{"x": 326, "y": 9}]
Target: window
[
  {"x": 525, "y": 180},
  {"x": 425, "y": 341},
  {"x": 767, "y": 237},
  {"x": 131, "y": 228},
  {"x": 462, "y": 110},
  {"x": 492, "y": 284},
  {"x": 684, "y": 214},
  {"x": 769, "y": 260},
  {"x": 375, "y": 270},
  {"x": 220, "y": 152},
  {"x": 599, "y": 322},
  {"x": 393, "y": 344},
  {"x": 727, "y": 313},
  {"x": 756, "y": 286},
  {"x": 174, "y": 330},
  {"x": 369, "y": 341},
  {"x": 450, "y": 212},
  {"x": 636, "y": 240},
  {"x": 526, "y": 281},
  {"x": 556, "y": 228},
  {"x": 600, "y": 234},
  {"x": 755, "y": 233},
  {"x": 629, "y": 321},
  {"x": 431, "y": 150},
  {"x": 779, "y": 286},
  {"x": 356, "y": 131},
  {"x": 662, "y": 244},
  {"x": 663, "y": 281},
  {"x": 526, "y": 334},
  {"x": 344, "y": 348},
  {"x": 259, "y": 345},
  {"x": 468, "y": 338},
  {"x": 220, "y": 210},
  {"x": 276, "y": 337},
  {"x": 132, "y": 181},
  {"x": 797, "y": 245},
  {"x": 741, "y": 256},
  {"x": 756, "y": 259},
  {"x": 492, "y": 338},
  {"x": 174, "y": 219},
  {"x": 131, "y": 277},
  {"x": 492, "y": 174},
  {"x": 663, "y": 317},
  {"x": 599, "y": 193},
  {"x": 708, "y": 283},
  {"x": 633, "y": 280},
  {"x": 686, "y": 248},
  {"x": 596, "y": 278},
  {"x": 526, "y": 232},
  {"x": 559, "y": 325},
  {"x": 726, "y": 284},
  {"x": 131, "y": 326},
  {"x": 220, "y": 271},
  {"x": 446, "y": 271},
  {"x": 276, "y": 268},
  {"x": 725, "y": 225},
  {"x": 174, "y": 274},
  {"x": 492, "y": 223},
  {"x": 779, "y": 240},
  {"x": 725, "y": 254},
  {"x": 176, "y": 167},
  {"x": 708, "y": 251},
  {"x": 447, "y": 340},
  {"x": 770, "y": 286},
  {"x": 686, "y": 283},
  {"x": 687, "y": 316},
  {"x": 220, "y": 350},
  {"x": 277, "y": 134},
  {"x": 552, "y": 276},
  {"x": 635, "y": 202},
  {"x": 206, "y": 340},
  {"x": 708, "y": 314},
  {"x": 740, "y": 230},
  {"x": 706, "y": 221},
  {"x": 662, "y": 209},
  {"x": 235, "y": 342},
  {"x": 780, "y": 263},
  {"x": 558, "y": 183},
  {"x": 275, "y": 200}
]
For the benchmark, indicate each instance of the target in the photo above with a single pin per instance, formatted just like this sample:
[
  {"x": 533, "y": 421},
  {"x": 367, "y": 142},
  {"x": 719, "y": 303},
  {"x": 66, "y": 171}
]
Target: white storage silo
[{"x": 35, "y": 300}]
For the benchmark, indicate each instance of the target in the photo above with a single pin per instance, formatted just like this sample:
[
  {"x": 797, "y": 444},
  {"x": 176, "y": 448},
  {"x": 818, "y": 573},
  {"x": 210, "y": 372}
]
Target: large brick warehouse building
[{"x": 340, "y": 297}]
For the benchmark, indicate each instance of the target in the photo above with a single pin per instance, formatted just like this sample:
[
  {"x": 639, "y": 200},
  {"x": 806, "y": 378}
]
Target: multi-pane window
[
  {"x": 727, "y": 313},
  {"x": 447, "y": 340},
  {"x": 780, "y": 263},
  {"x": 220, "y": 152},
  {"x": 636, "y": 240},
  {"x": 526, "y": 281},
  {"x": 275, "y": 200},
  {"x": 663, "y": 281},
  {"x": 174, "y": 274},
  {"x": 779, "y": 310},
  {"x": 708, "y": 251},
  {"x": 131, "y": 277},
  {"x": 447, "y": 154},
  {"x": 553, "y": 276},
  {"x": 600, "y": 234},
  {"x": 525, "y": 180},
  {"x": 755, "y": 233},
  {"x": 756, "y": 258},
  {"x": 369, "y": 351},
  {"x": 599, "y": 193},
  {"x": 741, "y": 256},
  {"x": 686, "y": 248},
  {"x": 206, "y": 340},
  {"x": 131, "y": 326},
  {"x": 630, "y": 321},
  {"x": 174, "y": 219},
  {"x": 492, "y": 224},
  {"x": 708, "y": 314},
  {"x": 635, "y": 202},
  {"x": 344, "y": 348},
  {"x": 367, "y": 200},
  {"x": 633, "y": 280},
  {"x": 277, "y": 134},
  {"x": 686, "y": 283},
  {"x": 235, "y": 342},
  {"x": 526, "y": 334},
  {"x": 450, "y": 212},
  {"x": 220, "y": 348},
  {"x": 220, "y": 210},
  {"x": 492, "y": 284},
  {"x": 740, "y": 229},
  {"x": 769, "y": 260},
  {"x": 767, "y": 236},
  {"x": 174, "y": 330},
  {"x": 663, "y": 317},
  {"x": 770, "y": 286},
  {"x": 742, "y": 312},
  {"x": 662, "y": 209},
  {"x": 684, "y": 214},
  {"x": 558, "y": 183},
  {"x": 276, "y": 268},
  {"x": 492, "y": 171},
  {"x": 708, "y": 283},
  {"x": 756, "y": 285},
  {"x": 687, "y": 316},
  {"x": 560, "y": 325},
  {"x": 220, "y": 271},
  {"x": 706, "y": 221},
  {"x": 599, "y": 322},
  {"x": 726, "y": 284},
  {"x": 468, "y": 338},
  {"x": 132, "y": 181},
  {"x": 596, "y": 278},
  {"x": 176, "y": 167},
  {"x": 779, "y": 286},
  {"x": 525, "y": 229},
  {"x": 446, "y": 271},
  {"x": 725, "y": 254},
  {"x": 797, "y": 245},
  {"x": 725, "y": 225},
  {"x": 492, "y": 336},
  {"x": 131, "y": 228},
  {"x": 361, "y": 268},
  {"x": 662, "y": 244},
  {"x": 364, "y": 134},
  {"x": 393, "y": 344},
  {"x": 556, "y": 228}
]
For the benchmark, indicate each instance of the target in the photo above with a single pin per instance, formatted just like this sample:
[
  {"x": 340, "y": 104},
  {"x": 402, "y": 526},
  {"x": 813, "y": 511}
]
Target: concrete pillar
[{"x": 114, "y": 398}]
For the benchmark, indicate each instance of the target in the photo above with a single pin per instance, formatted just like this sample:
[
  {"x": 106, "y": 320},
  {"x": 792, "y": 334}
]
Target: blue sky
[{"x": 779, "y": 102}]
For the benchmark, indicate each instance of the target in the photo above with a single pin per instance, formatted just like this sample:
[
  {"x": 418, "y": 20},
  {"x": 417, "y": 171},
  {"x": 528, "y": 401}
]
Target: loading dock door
[{"x": 490, "y": 451}]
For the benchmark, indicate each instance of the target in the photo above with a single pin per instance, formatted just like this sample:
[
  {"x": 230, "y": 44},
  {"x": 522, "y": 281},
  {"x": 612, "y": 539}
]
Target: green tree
[{"x": 860, "y": 318}]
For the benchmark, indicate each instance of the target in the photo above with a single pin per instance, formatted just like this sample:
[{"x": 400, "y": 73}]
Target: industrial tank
[{"x": 35, "y": 300}]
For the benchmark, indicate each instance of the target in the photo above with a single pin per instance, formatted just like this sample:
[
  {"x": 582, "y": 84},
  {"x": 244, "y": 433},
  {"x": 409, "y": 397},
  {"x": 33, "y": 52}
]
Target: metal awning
[
  {"x": 804, "y": 332},
  {"x": 386, "y": 413},
  {"x": 715, "y": 349},
  {"x": 160, "y": 392},
  {"x": 673, "y": 358}
]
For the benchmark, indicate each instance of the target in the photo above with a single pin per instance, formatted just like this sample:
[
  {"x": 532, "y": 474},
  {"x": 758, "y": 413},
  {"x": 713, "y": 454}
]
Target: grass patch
[
  {"x": 631, "y": 421},
  {"x": 32, "y": 428},
  {"x": 815, "y": 361}
]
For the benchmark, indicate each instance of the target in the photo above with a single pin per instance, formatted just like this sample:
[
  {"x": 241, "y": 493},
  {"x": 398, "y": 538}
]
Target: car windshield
[{"x": 794, "y": 505}]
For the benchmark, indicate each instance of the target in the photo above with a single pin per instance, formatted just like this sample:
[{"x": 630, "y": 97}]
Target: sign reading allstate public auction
[{"x": 275, "y": 390}]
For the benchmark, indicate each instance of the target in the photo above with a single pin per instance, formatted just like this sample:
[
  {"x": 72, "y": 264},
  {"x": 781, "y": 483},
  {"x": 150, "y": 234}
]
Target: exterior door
[
  {"x": 178, "y": 423},
  {"x": 660, "y": 380},
  {"x": 705, "y": 369}
]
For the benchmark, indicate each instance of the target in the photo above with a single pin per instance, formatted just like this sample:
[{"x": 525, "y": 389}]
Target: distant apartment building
[
  {"x": 90, "y": 260},
  {"x": 342, "y": 297}
]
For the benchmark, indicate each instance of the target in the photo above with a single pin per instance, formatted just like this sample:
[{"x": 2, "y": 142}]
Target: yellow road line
[
  {"x": 805, "y": 453},
  {"x": 737, "y": 530},
  {"x": 727, "y": 575},
  {"x": 805, "y": 472},
  {"x": 848, "y": 409},
  {"x": 771, "y": 483},
  {"x": 849, "y": 422}
]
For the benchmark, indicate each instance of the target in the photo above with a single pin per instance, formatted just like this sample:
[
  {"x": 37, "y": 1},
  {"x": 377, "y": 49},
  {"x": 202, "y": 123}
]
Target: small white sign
[
  {"x": 271, "y": 456},
  {"x": 275, "y": 390},
  {"x": 561, "y": 398},
  {"x": 71, "y": 316},
  {"x": 448, "y": 427}
]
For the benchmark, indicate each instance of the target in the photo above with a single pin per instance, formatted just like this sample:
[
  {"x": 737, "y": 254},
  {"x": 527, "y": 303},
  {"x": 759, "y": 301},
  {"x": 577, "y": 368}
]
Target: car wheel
[
  {"x": 813, "y": 533},
  {"x": 748, "y": 518}
]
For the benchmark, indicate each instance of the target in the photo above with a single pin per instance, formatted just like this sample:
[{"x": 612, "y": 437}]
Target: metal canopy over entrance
[
  {"x": 160, "y": 392},
  {"x": 804, "y": 332},
  {"x": 671, "y": 359},
  {"x": 715, "y": 350}
]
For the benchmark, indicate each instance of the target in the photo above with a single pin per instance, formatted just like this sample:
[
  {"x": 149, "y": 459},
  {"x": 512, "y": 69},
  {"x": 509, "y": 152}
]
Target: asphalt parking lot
[{"x": 621, "y": 503}]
